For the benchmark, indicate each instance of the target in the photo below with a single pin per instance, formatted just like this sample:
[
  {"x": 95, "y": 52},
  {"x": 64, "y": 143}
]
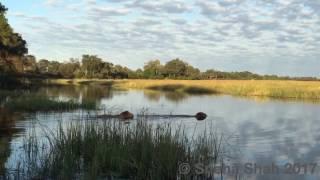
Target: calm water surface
[{"x": 257, "y": 130}]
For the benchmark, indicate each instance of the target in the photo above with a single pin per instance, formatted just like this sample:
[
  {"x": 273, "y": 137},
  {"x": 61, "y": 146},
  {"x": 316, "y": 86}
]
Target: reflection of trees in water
[
  {"x": 175, "y": 96},
  {"x": 60, "y": 91},
  {"x": 152, "y": 95},
  {"x": 4, "y": 153},
  {"x": 96, "y": 93},
  {"x": 7, "y": 130},
  {"x": 85, "y": 92},
  {"x": 171, "y": 96}
]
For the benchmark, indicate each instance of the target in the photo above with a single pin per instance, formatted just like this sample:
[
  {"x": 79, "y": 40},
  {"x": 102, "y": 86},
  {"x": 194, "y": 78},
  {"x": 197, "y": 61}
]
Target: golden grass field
[{"x": 262, "y": 88}]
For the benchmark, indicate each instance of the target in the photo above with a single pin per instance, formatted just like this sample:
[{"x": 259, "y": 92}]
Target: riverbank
[{"x": 262, "y": 88}]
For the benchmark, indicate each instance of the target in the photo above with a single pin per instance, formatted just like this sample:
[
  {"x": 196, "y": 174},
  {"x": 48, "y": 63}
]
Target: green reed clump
[
  {"x": 112, "y": 149},
  {"x": 42, "y": 103}
]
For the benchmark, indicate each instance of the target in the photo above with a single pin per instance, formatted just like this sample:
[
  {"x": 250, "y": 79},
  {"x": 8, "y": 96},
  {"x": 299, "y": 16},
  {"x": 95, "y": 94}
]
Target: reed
[{"x": 112, "y": 149}]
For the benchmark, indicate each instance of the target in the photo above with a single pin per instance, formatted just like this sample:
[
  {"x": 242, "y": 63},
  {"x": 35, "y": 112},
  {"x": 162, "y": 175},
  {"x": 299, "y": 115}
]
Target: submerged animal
[
  {"x": 201, "y": 116},
  {"x": 126, "y": 115}
]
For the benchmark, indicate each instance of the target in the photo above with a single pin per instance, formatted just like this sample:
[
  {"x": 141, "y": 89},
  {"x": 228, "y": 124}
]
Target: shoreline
[{"x": 262, "y": 88}]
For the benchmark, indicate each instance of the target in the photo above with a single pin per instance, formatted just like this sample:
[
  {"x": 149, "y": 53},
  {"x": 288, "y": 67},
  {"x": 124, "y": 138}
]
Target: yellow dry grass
[{"x": 263, "y": 88}]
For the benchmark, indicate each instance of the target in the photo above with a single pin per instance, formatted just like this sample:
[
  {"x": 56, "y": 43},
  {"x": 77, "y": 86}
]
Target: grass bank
[
  {"x": 114, "y": 150},
  {"x": 262, "y": 88}
]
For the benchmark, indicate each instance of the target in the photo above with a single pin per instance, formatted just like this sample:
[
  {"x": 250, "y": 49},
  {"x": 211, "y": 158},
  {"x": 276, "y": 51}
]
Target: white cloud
[{"x": 201, "y": 31}]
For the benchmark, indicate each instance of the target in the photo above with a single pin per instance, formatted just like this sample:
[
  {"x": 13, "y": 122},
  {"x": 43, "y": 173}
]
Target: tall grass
[
  {"x": 262, "y": 88},
  {"x": 111, "y": 149},
  {"x": 29, "y": 103}
]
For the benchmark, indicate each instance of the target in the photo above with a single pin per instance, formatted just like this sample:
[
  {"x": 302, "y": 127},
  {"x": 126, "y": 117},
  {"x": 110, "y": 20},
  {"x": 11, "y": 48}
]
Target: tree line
[
  {"x": 14, "y": 60},
  {"x": 91, "y": 66}
]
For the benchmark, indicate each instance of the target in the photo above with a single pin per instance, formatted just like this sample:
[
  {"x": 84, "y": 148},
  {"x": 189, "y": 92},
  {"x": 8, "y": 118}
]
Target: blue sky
[{"x": 264, "y": 36}]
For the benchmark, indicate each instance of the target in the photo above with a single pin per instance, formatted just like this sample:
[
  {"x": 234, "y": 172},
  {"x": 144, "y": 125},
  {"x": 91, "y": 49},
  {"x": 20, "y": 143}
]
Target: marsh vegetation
[
  {"x": 112, "y": 149},
  {"x": 298, "y": 90}
]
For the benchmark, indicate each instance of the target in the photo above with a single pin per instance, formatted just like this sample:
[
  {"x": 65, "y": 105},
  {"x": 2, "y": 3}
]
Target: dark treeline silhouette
[{"x": 14, "y": 62}]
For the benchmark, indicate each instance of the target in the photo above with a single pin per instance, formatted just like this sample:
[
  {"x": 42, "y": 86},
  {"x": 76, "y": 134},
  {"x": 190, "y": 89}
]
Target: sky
[{"x": 264, "y": 36}]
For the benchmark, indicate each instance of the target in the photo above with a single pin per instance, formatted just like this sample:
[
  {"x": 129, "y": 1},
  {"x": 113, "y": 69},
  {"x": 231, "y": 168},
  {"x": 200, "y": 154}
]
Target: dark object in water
[
  {"x": 201, "y": 116},
  {"x": 126, "y": 115}
]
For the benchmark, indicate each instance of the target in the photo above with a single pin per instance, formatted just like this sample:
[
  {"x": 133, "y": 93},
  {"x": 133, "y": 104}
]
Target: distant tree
[
  {"x": 43, "y": 66},
  {"x": 209, "y": 74},
  {"x": 54, "y": 67},
  {"x": 30, "y": 64},
  {"x": 91, "y": 66},
  {"x": 120, "y": 72},
  {"x": 153, "y": 69},
  {"x": 106, "y": 71},
  {"x": 69, "y": 69},
  {"x": 138, "y": 74},
  {"x": 192, "y": 73},
  {"x": 176, "y": 68}
]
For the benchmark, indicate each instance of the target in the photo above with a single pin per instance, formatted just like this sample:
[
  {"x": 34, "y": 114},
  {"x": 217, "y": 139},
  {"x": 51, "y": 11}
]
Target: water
[{"x": 261, "y": 131}]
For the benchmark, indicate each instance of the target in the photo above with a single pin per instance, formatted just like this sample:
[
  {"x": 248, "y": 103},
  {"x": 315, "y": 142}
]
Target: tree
[
  {"x": 30, "y": 64},
  {"x": 176, "y": 68},
  {"x": 153, "y": 69},
  {"x": 192, "y": 73},
  {"x": 120, "y": 72},
  {"x": 106, "y": 71},
  {"x": 210, "y": 74},
  {"x": 54, "y": 67},
  {"x": 69, "y": 69},
  {"x": 3, "y": 9},
  {"x": 92, "y": 66},
  {"x": 11, "y": 43},
  {"x": 138, "y": 74},
  {"x": 43, "y": 66}
]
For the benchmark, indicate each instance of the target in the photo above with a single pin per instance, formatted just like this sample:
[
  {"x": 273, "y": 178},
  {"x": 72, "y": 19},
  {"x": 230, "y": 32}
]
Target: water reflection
[
  {"x": 263, "y": 129},
  {"x": 7, "y": 131},
  {"x": 84, "y": 93}
]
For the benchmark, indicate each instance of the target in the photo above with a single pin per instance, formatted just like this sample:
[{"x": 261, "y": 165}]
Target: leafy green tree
[
  {"x": 192, "y": 73},
  {"x": 69, "y": 69},
  {"x": 120, "y": 72},
  {"x": 138, "y": 74},
  {"x": 176, "y": 68},
  {"x": 30, "y": 64},
  {"x": 91, "y": 66},
  {"x": 209, "y": 74},
  {"x": 106, "y": 71},
  {"x": 11, "y": 43},
  {"x": 153, "y": 69},
  {"x": 54, "y": 67},
  {"x": 43, "y": 66}
]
